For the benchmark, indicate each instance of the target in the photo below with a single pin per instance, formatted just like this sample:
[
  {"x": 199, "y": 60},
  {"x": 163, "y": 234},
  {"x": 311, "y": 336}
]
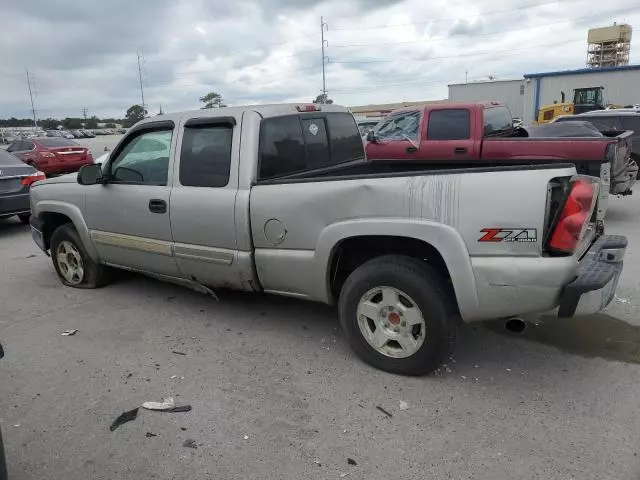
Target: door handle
[
  {"x": 460, "y": 150},
  {"x": 157, "y": 206},
  {"x": 412, "y": 149}
]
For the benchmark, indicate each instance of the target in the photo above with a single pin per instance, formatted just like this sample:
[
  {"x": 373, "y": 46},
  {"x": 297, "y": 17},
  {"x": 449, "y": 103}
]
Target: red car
[{"x": 51, "y": 155}]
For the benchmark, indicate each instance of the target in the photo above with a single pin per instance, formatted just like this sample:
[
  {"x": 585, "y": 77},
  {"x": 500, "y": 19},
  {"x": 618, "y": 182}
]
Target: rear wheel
[
  {"x": 398, "y": 316},
  {"x": 74, "y": 266}
]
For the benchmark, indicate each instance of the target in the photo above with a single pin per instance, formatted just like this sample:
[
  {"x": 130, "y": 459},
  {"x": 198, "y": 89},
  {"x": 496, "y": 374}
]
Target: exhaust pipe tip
[{"x": 515, "y": 325}]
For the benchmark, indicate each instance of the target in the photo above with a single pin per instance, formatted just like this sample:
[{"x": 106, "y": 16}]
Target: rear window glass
[
  {"x": 56, "y": 142},
  {"x": 296, "y": 143},
  {"x": 205, "y": 159},
  {"x": 497, "y": 120},
  {"x": 449, "y": 125}
]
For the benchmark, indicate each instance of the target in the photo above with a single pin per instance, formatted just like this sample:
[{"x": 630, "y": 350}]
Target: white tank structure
[{"x": 609, "y": 46}]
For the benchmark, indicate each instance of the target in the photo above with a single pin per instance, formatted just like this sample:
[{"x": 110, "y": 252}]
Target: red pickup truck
[{"x": 471, "y": 134}]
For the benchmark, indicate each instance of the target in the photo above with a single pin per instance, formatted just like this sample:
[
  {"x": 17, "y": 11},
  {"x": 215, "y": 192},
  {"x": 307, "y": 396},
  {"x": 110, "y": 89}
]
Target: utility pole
[
  {"x": 323, "y": 26},
  {"x": 33, "y": 109},
  {"x": 84, "y": 114},
  {"x": 140, "y": 77}
]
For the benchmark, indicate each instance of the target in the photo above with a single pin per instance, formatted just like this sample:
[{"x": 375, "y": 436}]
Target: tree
[
  {"x": 49, "y": 123},
  {"x": 212, "y": 100},
  {"x": 134, "y": 114},
  {"x": 92, "y": 122},
  {"x": 72, "y": 123},
  {"x": 322, "y": 98}
]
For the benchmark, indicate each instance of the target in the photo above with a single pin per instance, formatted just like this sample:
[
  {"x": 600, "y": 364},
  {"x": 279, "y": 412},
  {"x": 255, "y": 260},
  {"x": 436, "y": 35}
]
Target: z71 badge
[{"x": 524, "y": 235}]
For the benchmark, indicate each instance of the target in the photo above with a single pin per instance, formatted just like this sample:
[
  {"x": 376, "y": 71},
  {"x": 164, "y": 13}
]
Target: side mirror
[
  {"x": 90, "y": 174},
  {"x": 371, "y": 136}
]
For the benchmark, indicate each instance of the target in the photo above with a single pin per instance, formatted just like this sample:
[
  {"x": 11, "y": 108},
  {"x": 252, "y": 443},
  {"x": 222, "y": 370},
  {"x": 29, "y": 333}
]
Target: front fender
[
  {"x": 71, "y": 211},
  {"x": 446, "y": 240}
]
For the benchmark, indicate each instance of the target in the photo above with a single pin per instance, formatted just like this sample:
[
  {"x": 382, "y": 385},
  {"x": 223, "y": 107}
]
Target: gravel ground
[{"x": 276, "y": 392}]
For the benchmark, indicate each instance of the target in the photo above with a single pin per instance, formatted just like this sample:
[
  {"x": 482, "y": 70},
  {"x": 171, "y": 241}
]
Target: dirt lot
[{"x": 277, "y": 393}]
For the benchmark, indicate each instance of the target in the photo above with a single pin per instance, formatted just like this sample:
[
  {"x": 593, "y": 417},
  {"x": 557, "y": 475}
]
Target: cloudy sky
[{"x": 83, "y": 53}]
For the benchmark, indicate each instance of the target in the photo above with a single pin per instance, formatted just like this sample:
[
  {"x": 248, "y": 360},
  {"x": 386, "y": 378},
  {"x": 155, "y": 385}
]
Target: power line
[
  {"x": 449, "y": 19},
  {"x": 484, "y": 34},
  {"x": 463, "y": 55}
]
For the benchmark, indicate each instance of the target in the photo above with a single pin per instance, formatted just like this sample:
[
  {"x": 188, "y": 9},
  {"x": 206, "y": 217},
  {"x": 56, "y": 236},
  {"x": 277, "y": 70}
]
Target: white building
[
  {"x": 524, "y": 97},
  {"x": 510, "y": 92}
]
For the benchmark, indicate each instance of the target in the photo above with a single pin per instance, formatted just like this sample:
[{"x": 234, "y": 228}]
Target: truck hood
[{"x": 68, "y": 178}]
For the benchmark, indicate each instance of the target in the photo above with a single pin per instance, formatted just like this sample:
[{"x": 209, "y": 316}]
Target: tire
[
  {"x": 411, "y": 284},
  {"x": 24, "y": 218},
  {"x": 65, "y": 242}
]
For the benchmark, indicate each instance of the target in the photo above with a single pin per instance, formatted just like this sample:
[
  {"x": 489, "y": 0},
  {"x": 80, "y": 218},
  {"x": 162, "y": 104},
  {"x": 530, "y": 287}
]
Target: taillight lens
[
  {"x": 47, "y": 154},
  {"x": 574, "y": 217},
  {"x": 34, "y": 177}
]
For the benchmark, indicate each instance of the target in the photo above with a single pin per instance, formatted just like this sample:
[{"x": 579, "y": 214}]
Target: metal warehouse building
[
  {"x": 524, "y": 97},
  {"x": 510, "y": 92}
]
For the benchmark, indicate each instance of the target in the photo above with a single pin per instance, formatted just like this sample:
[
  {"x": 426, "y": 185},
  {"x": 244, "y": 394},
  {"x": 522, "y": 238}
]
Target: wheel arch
[
  {"x": 438, "y": 244},
  {"x": 52, "y": 214}
]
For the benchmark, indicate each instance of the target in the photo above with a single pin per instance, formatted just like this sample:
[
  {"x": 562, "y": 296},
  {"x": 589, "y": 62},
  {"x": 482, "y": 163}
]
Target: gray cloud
[{"x": 82, "y": 54}]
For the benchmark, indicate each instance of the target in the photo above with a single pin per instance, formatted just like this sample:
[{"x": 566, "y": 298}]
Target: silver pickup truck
[{"x": 280, "y": 199}]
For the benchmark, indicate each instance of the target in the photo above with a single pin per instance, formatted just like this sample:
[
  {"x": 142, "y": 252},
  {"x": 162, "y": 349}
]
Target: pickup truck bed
[{"x": 279, "y": 199}]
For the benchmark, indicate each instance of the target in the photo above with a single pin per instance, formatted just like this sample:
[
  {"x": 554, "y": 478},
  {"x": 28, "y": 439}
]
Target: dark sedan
[{"x": 15, "y": 180}]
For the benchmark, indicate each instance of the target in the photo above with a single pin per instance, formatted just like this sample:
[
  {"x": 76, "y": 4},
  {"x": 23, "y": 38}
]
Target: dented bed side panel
[{"x": 295, "y": 226}]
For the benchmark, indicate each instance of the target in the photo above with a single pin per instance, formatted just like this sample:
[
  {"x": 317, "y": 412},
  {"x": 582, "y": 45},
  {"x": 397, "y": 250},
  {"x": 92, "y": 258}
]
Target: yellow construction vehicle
[{"x": 584, "y": 100}]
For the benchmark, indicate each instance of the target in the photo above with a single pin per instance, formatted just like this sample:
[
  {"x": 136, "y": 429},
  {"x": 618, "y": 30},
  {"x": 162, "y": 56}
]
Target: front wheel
[
  {"x": 398, "y": 316},
  {"x": 72, "y": 263}
]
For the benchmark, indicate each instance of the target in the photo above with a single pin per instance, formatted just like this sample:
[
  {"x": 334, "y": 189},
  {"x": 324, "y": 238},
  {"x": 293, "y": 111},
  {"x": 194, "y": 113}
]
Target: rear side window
[
  {"x": 27, "y": 145},
  {"x": 346, "y": 144},
  {"x": 497, "y": 120},
  {"x": 449, "y": 125},
  {"x": 205, "y": 158},
  {"x": 282, "y": 147},
  {"x": 56, "y": 142},
  {"x": 297, "y": 143}
]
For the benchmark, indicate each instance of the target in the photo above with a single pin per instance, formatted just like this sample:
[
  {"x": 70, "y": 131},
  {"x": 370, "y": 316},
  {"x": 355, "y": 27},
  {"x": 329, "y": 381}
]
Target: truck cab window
[
  {"x": 315, "y": 137},
  {"x": 144, "y": 160},
  {"x": 497, "y": 121},
  {"x": 400, "y": 126},
  {"x": 205, "y": 157},
  {"x": 451, "y": 124},
  {"x": 282, "y": 149},
  {"x": 346, "y": 144}
]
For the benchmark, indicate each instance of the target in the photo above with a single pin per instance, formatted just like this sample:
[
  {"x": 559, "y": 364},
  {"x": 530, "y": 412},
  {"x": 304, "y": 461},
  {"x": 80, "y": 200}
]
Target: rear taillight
[
  {"x": 34, "y": 177},
  {"x": 47, "y": 154},
  {"x": 574, "y": 217}
]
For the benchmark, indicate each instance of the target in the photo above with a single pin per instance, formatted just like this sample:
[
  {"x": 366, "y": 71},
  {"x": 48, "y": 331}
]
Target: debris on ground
[
  {"x": 384, "y": 411},
  {"x": 178, "y": 353},
  {"x": 508, "y": 369},
  {"x": 190, "y": 443},
  {"x": 68, "y": 333},
  {"x": 124, "y": 417},
  {"x": 174, "y": 376},
  {"x": 317, "y": 462},
  {"x": 463, "y": 377},
  {"x": 167, "y": 405},
  {"x": 149, "y": 434},
  {"x": 184, "y": 429},
  {"x": 351, "y": 461},
  {"x": 342, "y": 475},
  {"x": 246, "y": 437},
  {"x": 621, "y": 300},
  {"x": 404, "y": 405}
]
